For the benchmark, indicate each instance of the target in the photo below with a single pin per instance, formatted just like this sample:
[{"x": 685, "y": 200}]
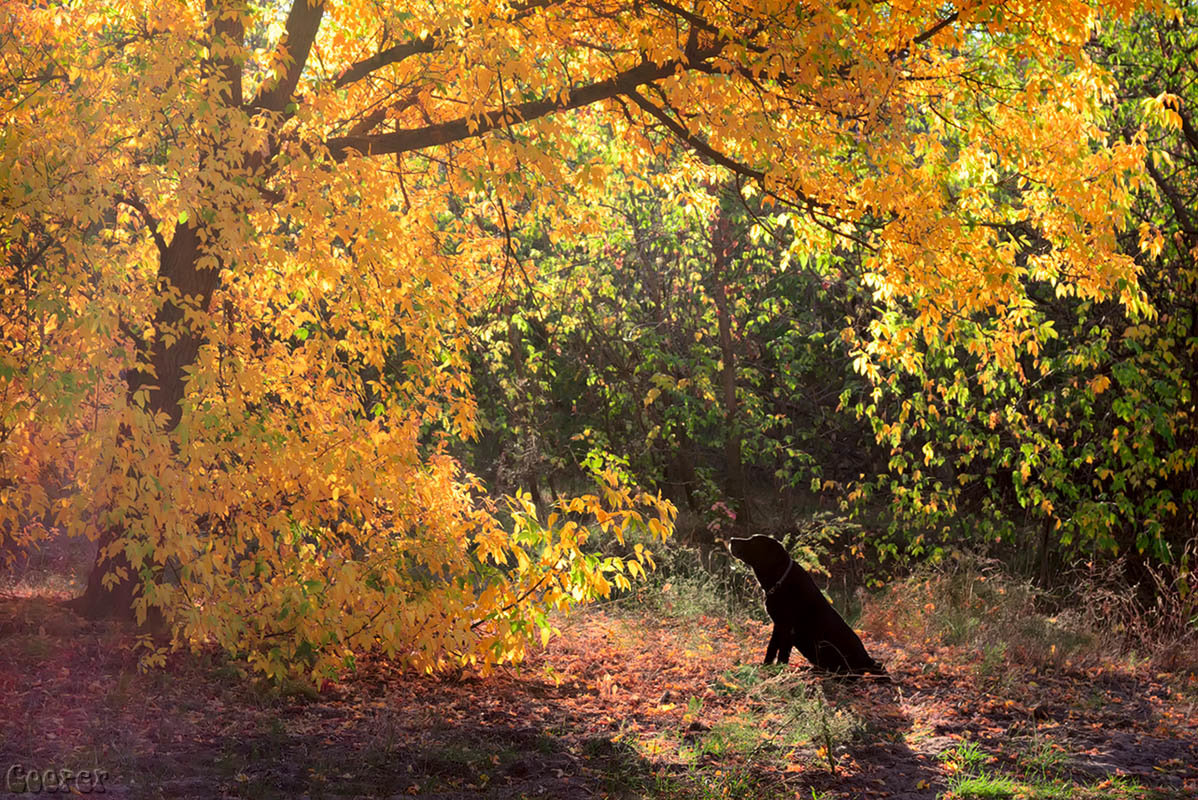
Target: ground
[{"x": 624, "y": 703}]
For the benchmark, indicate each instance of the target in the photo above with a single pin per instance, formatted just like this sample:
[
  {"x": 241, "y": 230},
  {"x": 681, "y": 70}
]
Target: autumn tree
[
  {"x": 240, "y": 244},
  {"x": 1086, "y": 445}
]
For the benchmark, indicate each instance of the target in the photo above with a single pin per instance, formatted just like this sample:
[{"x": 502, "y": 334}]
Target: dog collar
[{"x": 770, "y": 591}]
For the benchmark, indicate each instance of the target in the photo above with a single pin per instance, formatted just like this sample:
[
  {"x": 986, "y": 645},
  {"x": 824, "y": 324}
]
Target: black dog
[{"x": 802, "y": 617}]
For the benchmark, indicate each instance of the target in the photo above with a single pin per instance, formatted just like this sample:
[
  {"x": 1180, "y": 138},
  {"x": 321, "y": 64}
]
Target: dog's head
[{"x": 764, "y": 554}]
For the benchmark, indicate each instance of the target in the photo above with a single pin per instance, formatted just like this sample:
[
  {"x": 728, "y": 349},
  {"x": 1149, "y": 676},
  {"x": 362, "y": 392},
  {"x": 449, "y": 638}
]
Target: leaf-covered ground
[{"x": 622, "y": 704}]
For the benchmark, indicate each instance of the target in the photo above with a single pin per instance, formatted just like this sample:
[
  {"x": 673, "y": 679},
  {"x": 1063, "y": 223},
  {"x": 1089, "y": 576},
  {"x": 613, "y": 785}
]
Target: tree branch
[
  {"x": 227, "y": 34},
  {"x": 303, "y": 21},
  {"x": 392, "y": 55},
  {"x": 925, "y": 36},
  {"x": 408, "y": 139},
  {"x": 378, "y": 115},
  {"x": 1180, "y": 210},
  {"x": 805, "y": 202},
  {"x": 1187, "y": 127},
  {"x": 693, "y": 141},
  {"x": 698, "y": 23},
  {"x": 428, "y": 44},
  {"x": 514, "y": 603},
  {"x": 935, "y": 29},
  {"x": 694, "y": 19}
]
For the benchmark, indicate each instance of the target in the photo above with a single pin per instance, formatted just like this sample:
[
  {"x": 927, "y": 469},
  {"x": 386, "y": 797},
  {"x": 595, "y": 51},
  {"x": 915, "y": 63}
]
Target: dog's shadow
[{"x": 872, "y": 755}]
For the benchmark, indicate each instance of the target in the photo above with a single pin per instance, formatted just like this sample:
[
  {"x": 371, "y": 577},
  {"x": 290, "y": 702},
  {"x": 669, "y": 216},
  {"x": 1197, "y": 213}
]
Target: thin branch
[
  {"x": 925, "y": 36},
  {"x": 379, "y": 115},
  {"x": 151, "y": 223},
  {"x": 1180, "y": 210},
  {"x": 693, "y": 140},
  {"x": 806, "y": 202},
  {"x": 392, "y": 55},
  {"x": 514, "y": 603},
  {"x": 1187, "y": 127},
  {"x": 695, "y": 20},
  {"x": 430, "y": 43},
  {"x": 935, "y": 29}
]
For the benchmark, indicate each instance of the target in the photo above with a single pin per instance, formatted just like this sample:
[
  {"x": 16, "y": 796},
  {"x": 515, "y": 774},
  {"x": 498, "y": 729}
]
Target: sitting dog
[{"x": 802, "y": 617}]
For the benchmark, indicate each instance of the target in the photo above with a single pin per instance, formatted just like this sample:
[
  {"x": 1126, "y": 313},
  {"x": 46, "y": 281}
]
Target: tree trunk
[
  {"x": 1043, "y": 553},
  {"x": 722, "y": 246},
  {"x": 680, "y": 473},
  {"x": 177, "y": 267}
]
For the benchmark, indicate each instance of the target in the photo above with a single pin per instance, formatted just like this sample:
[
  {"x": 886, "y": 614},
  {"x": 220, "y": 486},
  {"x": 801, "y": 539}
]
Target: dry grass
[{"x": 974, "y": 604}]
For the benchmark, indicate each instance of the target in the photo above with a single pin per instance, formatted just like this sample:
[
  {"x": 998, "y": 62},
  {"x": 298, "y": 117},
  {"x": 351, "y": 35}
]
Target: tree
[
  {"x": 1087, "y": 443},
  {"x": 239, "y": 246}
]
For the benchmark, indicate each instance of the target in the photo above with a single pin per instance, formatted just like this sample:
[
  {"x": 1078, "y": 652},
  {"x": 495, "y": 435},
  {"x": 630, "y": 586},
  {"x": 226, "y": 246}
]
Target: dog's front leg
[
  {"x": 775, "y": 643},
  {"x": 785, "y": 642}
]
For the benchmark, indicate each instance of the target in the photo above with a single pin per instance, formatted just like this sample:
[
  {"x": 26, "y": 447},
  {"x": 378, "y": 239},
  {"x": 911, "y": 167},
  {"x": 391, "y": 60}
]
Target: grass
[
  {"x": 685, "y": 584},
  {"x": 997, "y": 638},
  {"x": 778, "y": 719},
  {"x": 790, "y": 711},
  {"x": 1039, "y": 774},
  {"x": 982, "y": 785},
  {"x": 1045, "y": 761},
  {"x": 974, "y": 606}
]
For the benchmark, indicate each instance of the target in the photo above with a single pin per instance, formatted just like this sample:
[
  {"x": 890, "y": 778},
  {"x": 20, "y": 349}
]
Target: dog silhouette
[{"x": 802, "y": 616}]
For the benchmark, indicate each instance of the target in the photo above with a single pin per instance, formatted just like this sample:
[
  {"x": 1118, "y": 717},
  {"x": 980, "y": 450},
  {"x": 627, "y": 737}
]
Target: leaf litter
[{"x": 621, "y": 704}]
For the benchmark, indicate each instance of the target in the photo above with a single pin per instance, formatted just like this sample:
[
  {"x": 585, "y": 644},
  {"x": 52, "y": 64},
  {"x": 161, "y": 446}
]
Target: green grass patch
[{"x": 1040, "y": 773}]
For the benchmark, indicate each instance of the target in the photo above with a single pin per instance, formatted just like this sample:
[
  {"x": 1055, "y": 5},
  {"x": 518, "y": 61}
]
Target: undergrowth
[{"x": 973, "y": 603}]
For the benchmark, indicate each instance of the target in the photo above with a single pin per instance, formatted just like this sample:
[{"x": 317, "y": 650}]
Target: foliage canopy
[{"x": 240, "y": 245}]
